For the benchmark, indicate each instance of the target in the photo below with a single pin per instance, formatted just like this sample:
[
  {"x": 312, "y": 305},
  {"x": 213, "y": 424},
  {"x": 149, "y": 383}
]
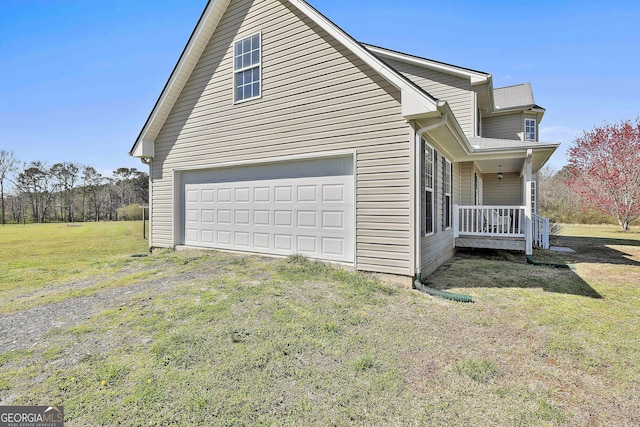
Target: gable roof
[
  {"x": 416, "y": 103},
  {"x": 476, "y": 77}
]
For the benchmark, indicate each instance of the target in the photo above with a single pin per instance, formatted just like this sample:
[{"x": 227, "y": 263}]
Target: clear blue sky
[{"x": 78, "y": 78}]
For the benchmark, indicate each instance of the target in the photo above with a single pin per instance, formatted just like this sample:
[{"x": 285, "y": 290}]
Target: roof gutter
[{"x": 422, "y": 131}]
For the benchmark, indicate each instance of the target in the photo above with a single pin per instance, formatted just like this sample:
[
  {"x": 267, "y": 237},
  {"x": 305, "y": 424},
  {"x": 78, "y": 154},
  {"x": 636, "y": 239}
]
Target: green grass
[
  {"x": 209, "y": 338},
  {"x": 38, "y": 256}
]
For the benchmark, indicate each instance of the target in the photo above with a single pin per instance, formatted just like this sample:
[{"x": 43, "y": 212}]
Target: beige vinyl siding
[
  {"x": 466, "y": 183},
  {"x": 316, "y": 97},
  {"x": 468, "y": 170},
  {"x": 508, "y": 126},
  {"x": 504, "y": 192},
  {"x": 457, "y": 91},
  {"x": 438, "y": 247}
]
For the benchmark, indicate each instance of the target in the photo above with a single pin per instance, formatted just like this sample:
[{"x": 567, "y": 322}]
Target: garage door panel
[
  {"x": 261, "y": 240},
  {"x": 192, "y": 234},
  {"x": 311, "y": 215},
  {"x": 192, "y": 196},
  {"x": 242, "y": 217},
  {"x": 262, "y": 218},
  {"x": 333, "y": 193},
  {"x": 208, "y": 196},
  {"x": 224, "y": 238},
  {"x": 208, "y": 237},
  {"x": 208, "y": 216},
  {"x": 284, "y": 194},
  {"x": 283, "y": 242},
  {"x": 262, "y": 195},
  {"x": 307, "y": 219},
  {"x": 224, "y": 195},
  {"x": 283, "y": 218},
  {"x": 333, "y": 246},
  {"x": 241, "y": 239},
  {"x": 307, "y": 244},
  {"x": 333, "y": 220},
  {"x": 307, "y": 194},
  {"x": 242, "y": 195},
  {"x": 192, "y": 215}
]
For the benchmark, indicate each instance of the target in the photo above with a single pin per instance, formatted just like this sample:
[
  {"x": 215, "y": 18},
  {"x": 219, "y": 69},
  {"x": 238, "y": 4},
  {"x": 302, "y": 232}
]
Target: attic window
[
  {"x": 246, "y": 68},
  {"x": 529, "y": 130}
]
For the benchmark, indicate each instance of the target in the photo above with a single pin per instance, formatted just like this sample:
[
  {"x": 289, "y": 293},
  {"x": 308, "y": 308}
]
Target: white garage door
[{"x": 304, "y": 207}]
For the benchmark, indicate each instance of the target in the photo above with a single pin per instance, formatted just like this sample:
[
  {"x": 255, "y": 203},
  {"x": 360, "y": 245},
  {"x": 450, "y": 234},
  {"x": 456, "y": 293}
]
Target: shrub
[{"x": 132, "y": 212}]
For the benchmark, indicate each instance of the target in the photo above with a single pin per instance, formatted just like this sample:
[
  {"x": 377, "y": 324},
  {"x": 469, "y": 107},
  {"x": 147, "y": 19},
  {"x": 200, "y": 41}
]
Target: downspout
[
  {"x": 148, "y": 161},
  {"x": 418, "y": 225},
  {"x": 417, "y": 196}
]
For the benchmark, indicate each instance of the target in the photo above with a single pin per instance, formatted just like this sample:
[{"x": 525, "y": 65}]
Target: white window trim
[
  {"x": 430, "y": 189},
  {"x": 258, "y": 65},
  {"x": 448, "y": 172},
  {"x": 535, "y": 130}
]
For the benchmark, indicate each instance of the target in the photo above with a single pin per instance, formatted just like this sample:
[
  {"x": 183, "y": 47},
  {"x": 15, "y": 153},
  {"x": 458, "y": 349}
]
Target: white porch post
[
  {"x": 528, "y": 222},
  {"x": 456, "y": 221}
]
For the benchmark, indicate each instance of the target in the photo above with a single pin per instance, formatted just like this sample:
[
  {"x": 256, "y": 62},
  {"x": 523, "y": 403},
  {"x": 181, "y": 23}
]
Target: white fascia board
[
  {"x": 474, "y": 77},
  {"x": 143, "y": 149},
  {"x": 517, "y": 149},
  {"x": 419, "y": 103},
  {"x": 414, "y": 108},
  {"x": 180, "y": 75}
]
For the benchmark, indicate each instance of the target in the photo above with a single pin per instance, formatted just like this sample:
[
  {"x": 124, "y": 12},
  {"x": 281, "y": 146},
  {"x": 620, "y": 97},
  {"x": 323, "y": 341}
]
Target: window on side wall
[
  {"x": 447, "y": 201},
  {"x": 530, "y": 130},
  {"x": 247, "y": 72},
  {"x": 429, "y": 181}
]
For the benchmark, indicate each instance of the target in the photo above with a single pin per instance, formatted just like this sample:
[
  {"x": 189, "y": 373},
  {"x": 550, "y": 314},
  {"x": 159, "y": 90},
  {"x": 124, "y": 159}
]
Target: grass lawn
[
  {"x": 210, "y": 338},
  {"x": 37, "y": 256}
]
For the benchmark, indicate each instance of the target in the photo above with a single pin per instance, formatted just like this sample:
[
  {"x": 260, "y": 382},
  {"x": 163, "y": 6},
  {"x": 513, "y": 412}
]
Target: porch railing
[
  {"x": 498, "y": 221},
  {"x": 540, "y": 231}
]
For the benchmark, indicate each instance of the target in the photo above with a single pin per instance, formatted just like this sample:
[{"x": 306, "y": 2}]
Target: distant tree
[
  {"x": 141, "y": 186},
  {"x": 17, "y": 206},
  {"x": 93, "y": 182},
  {"x": 7, "y": 165},
  {"x": 67, "y": 175},
  {"x": 604, "y": 170},
  {"x": 122, "y": 178},
  {"x": 36, "y": 182}
]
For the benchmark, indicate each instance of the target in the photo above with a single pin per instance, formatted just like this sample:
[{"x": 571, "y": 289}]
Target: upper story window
[
  {"x": 247, "y": 73},
  {"x": 429, "y": 187},
  {"x": 530, "y": 130}
]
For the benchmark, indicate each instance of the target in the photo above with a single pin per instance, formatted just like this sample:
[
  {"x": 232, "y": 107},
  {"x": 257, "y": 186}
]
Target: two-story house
[{"x": 278, "y": 133}]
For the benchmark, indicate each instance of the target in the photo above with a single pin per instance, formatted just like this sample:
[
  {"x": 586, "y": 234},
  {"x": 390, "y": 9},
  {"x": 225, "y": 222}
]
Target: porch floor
[{"x": 511, "y": 243}]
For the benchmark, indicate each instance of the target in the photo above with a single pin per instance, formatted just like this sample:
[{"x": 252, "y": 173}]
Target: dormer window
[
  {"x": 530, "y": 130},
  {"x": 246, "y": 68}
]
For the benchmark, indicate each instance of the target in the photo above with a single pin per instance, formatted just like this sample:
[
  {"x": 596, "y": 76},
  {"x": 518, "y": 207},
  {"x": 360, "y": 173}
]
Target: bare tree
[{"x": 7, "y": 165}]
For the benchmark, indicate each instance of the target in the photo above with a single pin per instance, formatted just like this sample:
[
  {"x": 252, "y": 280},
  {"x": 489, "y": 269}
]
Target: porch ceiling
[
  {"x": 510, "y": 155},
  {"x": 503, "y": 165},
  {"x": 490, "y": 154}
]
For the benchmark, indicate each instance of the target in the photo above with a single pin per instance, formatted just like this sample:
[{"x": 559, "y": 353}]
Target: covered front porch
[
  {"x": 503, "y": 212},
  {"x": 500, "y": 227}
]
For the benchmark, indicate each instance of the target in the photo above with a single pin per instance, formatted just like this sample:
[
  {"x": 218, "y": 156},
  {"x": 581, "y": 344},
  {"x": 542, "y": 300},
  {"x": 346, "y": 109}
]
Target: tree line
[{"x": 68, "y": 192}]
